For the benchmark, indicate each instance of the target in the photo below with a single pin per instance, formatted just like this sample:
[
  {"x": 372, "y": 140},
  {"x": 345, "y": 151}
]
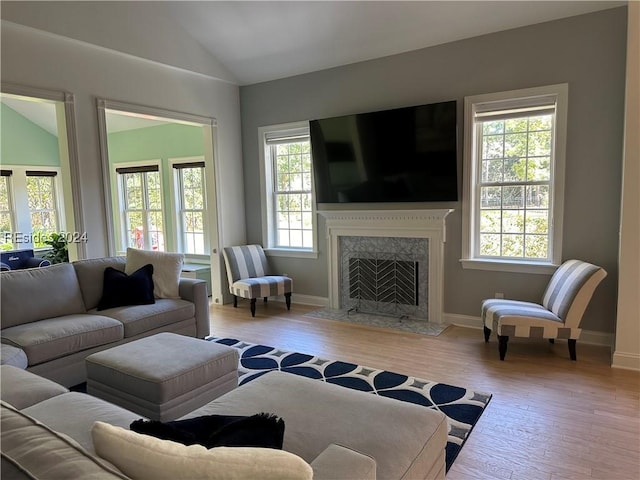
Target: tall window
[
  {"x": 515, "y": 156},
  {"x": 288, "y": 188},
  {"x": 191, "y": 206},
  {"x": 141, "y": 204},
  {"x": 41, "y": 195},
  {"x": 6, "y": 211}
]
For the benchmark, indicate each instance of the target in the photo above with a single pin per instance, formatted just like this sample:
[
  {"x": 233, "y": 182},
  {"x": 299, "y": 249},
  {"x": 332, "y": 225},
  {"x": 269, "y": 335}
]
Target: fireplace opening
[{"x": 384, "y": 280}]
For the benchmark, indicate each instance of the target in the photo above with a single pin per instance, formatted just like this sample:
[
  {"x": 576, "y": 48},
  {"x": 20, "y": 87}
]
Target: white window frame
[
  {"x": 177, "y": 199},
  {"x": 525, "y": 98},
  {"x": 117, "y": 180},
  {"x": 20, "y": 203},
  {"x": 11, "y": 209},
  {"x": 267, "y": 186}
]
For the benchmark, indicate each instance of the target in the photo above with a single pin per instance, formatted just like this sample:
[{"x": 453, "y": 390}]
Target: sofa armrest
[
  {"x": 337, "y": 462},
  {"x": 195, "y": 291}
]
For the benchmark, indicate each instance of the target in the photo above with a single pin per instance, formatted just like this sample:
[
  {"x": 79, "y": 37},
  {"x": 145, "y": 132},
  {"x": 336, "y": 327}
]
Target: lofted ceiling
[{"x": 248, "y": 42}]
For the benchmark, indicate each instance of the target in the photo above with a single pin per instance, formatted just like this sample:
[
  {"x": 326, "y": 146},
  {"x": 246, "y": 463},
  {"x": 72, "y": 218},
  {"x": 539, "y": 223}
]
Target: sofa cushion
[
  {"x": 15, "y": 356},
  {"x": 56, "y": 288},
  {"x": 90, "y": 274},
  {"x": 73, "y": 414},
  {"x": 23, "y": 389},
  {"x": 57, "y": 337},
  {"x": 120, "y": 289},
  {"x": 167, "y": 268},
  {"x": 138, "y": 319},
  {"x": 404, "y": 438},
  {"x": 141, "y": 456},
  {"x": 40, "y": 452}
]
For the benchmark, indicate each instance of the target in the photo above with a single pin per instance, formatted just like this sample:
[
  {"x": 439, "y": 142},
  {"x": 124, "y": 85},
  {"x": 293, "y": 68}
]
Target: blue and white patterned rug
[{"x": 462, "y": 407}]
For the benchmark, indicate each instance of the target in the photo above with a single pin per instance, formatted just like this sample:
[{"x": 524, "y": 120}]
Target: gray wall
[{"x": 587, "y": 52}]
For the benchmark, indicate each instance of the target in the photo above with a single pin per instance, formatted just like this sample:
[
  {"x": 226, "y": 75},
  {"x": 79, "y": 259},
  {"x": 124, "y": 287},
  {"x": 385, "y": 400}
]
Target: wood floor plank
[{"x": 549, "y": 418}]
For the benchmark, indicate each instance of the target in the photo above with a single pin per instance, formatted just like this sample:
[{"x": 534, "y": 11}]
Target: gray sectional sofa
[
  {"x": 342, "y": 434},
  {"x": 50, "y": 323}
]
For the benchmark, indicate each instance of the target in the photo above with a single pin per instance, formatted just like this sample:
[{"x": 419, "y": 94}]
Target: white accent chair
[
  {"x": 559, "y": 314},
  {"x": 248, "y": 275}
]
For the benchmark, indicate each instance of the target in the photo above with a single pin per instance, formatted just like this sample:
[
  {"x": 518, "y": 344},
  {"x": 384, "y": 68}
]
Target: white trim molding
[
  {"x": 428, "y": 224},
  {"x": 626, "y": 361}
]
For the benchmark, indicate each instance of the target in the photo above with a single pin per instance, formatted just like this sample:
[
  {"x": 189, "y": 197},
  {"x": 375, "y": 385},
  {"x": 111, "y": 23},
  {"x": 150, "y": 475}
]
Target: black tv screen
[{"x": 400, "y": 155}]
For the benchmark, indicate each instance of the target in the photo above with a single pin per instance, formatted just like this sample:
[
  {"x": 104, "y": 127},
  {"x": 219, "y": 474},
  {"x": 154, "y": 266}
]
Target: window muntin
[
  {"x": 6, "y": 212},
  {"x": 514, "y": 153},
  {"x": 191, "y": 207},
  {"x": 142, "y": 218},
  {"x": 42, "y": 202}
]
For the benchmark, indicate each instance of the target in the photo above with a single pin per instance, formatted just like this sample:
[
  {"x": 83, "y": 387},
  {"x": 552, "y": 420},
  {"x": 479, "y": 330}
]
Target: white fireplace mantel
[{"x": 429, "y": 224}]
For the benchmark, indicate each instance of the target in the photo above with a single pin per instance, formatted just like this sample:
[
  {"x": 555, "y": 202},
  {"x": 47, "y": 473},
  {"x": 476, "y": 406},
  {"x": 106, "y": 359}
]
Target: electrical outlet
[{"x": 499, "y": 295}]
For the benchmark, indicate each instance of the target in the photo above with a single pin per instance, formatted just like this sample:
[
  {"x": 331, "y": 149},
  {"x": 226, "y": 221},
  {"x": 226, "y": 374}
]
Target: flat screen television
[{"x": 399, "y": 155}]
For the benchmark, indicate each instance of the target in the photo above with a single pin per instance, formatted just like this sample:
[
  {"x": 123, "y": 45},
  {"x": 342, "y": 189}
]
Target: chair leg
[
  {"x": 502, "y": 345},
  {"x": 253, "y": 307},
  {"x": 235, "y": 302},
  {"x": 287, "y": 299},
  {"x": 572, "y": 348},
  {"x": 487, "y": 334},
  {"x": 265, "y": 299},
  {"x": 552, "y": 341}
]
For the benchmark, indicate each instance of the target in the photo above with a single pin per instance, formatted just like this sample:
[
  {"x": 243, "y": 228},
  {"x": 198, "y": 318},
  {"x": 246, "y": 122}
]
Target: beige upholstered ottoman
[{"x": 164, "y": 376}]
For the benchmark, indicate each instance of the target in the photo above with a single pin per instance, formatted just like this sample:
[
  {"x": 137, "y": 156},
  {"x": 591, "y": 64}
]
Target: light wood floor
[{"x": 549, "y": 418}]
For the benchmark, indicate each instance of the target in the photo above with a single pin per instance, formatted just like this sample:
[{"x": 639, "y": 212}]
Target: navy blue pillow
[
  {"x": 261, "y": 430},
  {"x": 120, "y": 289}
]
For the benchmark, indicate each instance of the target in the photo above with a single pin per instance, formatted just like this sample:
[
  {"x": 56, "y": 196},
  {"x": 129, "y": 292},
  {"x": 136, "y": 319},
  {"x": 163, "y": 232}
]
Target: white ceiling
[
  {"x": 266, "y": 40},
  {"x": 41, "y": 112}
]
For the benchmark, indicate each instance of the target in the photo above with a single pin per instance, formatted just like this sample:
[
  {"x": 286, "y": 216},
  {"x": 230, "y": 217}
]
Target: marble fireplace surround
[{"x": 428, "y": 224}]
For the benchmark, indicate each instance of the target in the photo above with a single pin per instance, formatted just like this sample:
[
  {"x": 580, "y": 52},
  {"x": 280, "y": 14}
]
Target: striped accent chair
[
  {"x": 558, "y": 316},
  {"x": 248, "y": 274}
]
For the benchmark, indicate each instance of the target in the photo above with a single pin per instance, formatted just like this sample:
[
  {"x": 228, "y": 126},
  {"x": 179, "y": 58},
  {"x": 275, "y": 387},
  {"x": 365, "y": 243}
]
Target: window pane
[
  {"x": 154, "y": 191},
  {"x": 515, "y": 169},
  {"x": 489, "y": 245},
  {"x": 307, "y": 239},
  {"x": 513, "y": 196},
  {"x": 539, "y": 143},
  {"x": 515, "y": 145},
  {"x": 283, "y": 220},
  {"x": 513, "y": 221},
  {"x": 516, "y": 125},
  {"x": 490, "y": 221},
  {"x": 542, "y": 122},
  {"x": 537, "y": 221},
  {"x": 492, "y": 146},
  {"x": 296, "y": 238},
  {"x": 296, "y": 220},
  {"x": 135, "y": 229},
  {"x": 490, "y": 197},
  {"x": 536, "y": 246},
  {"x": 513, "y": 245},
  {"x": 492, "y": 170},
  {"x": 489, "y": 128},
  {"x": 296, "y": 182},
  {"x": 538, "y": 196},
  {"x": 538, "y": 169},
  {"x": 283, "y": 238}
]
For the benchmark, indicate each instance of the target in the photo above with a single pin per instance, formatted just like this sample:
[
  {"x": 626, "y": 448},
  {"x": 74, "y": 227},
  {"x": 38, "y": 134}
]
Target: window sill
[
  {"x": 509, "y": 266},
  {"x": 292, "y": 253}
]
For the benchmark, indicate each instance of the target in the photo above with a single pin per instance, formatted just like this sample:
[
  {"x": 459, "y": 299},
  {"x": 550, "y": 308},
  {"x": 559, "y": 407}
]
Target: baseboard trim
[
  {"x": 305, "y": 300},
  {"x": 626, "y": 361},
  {"x": 589, "y": 337}
]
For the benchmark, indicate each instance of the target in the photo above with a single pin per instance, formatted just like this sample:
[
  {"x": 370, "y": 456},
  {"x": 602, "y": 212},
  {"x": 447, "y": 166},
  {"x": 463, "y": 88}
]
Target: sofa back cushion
[
  {"x": 39, "y": 293},
  {"x": 91, "y": 277},
  {"x": 39, "y": 452}
]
